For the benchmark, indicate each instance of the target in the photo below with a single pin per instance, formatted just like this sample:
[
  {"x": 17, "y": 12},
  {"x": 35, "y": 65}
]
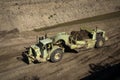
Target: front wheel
[{"x": 56, "y": 55}]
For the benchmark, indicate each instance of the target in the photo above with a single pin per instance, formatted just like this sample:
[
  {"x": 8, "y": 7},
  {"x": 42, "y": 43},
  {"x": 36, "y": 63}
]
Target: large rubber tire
[
  {"x": 56, "y": 55},
  {"x": 100, "y": 42}
]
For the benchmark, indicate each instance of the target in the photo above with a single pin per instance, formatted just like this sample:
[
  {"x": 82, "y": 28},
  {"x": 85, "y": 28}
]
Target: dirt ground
[{"x": 73, "y": 66}]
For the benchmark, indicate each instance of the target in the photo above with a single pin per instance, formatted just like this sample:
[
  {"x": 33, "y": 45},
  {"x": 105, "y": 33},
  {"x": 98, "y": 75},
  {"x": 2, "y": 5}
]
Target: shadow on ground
[
  {"x": 68, "y": 50},
  {"x": 30, "y": 78},
  {"x": 106, "y": 72}
]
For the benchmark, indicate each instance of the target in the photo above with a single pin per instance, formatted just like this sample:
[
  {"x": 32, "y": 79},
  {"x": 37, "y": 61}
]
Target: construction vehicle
[
  {"x": 85, "y": 38},
  {"x": 52, "y": 48},
  {"x": 44, "y": 50}
]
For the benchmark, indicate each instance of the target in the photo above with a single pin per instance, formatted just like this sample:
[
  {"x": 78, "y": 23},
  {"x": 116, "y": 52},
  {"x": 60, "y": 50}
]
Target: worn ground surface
[
  {"x": 26, "y": 15},
  {"x": 73, "y": 66}
]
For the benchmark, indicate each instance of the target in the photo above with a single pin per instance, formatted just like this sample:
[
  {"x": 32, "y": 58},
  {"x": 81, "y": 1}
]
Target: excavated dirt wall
[{"x": 25, "y": 15}]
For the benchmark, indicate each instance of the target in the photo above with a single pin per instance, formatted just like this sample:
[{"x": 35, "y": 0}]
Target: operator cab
[{"x": 47, "y": 43}]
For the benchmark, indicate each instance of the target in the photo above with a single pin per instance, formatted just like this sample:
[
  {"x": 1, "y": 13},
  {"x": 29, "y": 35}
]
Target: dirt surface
[
  {"x": 26, "y": 15},
  {"x": 73, "y": 66}
]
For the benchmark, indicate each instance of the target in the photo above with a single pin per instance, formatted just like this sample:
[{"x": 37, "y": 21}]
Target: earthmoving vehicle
[
  {"x": 53, "y": 48},
  {"x": 85, "y": 38},
  {"x": 44, "y": 50}
]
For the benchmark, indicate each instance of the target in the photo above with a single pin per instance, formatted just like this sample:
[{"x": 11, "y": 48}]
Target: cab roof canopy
[{"x": 46, "y": 41}]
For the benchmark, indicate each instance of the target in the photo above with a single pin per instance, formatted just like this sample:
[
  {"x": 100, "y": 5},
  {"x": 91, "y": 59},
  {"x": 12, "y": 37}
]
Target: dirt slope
[{"x": 28, "y": 15}]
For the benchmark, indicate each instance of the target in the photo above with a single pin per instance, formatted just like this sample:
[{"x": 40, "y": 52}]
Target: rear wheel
[
  {"x": 56, "y": 55},
  {"x": 100, "y": 42}
]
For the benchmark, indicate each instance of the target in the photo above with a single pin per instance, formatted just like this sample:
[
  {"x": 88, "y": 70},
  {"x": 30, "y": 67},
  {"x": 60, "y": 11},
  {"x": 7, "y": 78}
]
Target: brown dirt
[
  {"x": 80, "y": 35},
  {"x": 72, "y": 67}
]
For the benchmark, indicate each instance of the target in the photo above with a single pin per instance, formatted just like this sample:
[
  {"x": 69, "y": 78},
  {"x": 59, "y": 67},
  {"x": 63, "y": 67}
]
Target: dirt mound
[{"x": 80, "y": 35}]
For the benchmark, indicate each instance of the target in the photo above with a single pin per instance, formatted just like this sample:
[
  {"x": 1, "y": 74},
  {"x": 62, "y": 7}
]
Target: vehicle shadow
[
  {"x": 106, "y": 72},
  {"x": 68, "y": 50},
  {"x": 30, "y": 78},
  {"x": 24, "y": 57}
]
